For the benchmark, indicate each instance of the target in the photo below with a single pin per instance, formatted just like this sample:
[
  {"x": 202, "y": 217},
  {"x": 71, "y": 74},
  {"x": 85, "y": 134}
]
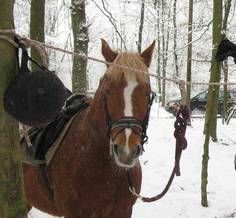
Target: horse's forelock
[{"x": 134, "y": 69}]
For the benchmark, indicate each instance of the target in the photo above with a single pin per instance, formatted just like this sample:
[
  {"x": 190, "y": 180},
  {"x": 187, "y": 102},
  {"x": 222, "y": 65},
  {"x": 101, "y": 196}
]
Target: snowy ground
[{"x": 183, "y": 198}]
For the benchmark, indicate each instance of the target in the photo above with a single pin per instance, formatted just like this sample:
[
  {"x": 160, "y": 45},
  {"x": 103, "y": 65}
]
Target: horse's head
[{"x": 127, "y": 97}]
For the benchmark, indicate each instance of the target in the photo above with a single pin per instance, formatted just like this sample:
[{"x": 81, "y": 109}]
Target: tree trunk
[
  {"x": 37, "y": 14},
  {"x": 213, "y": 91},
  {"x": 212, "y": 101},
  {"x": 204, "y": 180},
  {"x": 12, "y": 204},
  {"x": 226, "y": 15},
  {"x": 157, "y": 4},
  {"x": 140, "y": 31},
  {"x": 80, "y": 32},
  {"x": 189, "y": 55},
  {"x": 51, "y": 17},
  {"x": 163, "y": 99},
  {"x": 182, "y": 87},
  {"x": 225, "y": 97},
  {"x": 175, "y": 39},
  {"x": 165, "y": 44},
  {"x": 225, "y": 63}
]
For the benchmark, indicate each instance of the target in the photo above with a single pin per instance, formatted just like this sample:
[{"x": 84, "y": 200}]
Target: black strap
[
  {"x": 44, "y": 173},
  {"x": 24, "y": 62},
  {"x": 17, "y": 54},
  {"x": 146, "y": 119},
  {"x": 25, "y": 58}
]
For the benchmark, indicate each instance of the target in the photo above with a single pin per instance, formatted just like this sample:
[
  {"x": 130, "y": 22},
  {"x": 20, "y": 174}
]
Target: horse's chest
[{"x": 103, "y": 192}]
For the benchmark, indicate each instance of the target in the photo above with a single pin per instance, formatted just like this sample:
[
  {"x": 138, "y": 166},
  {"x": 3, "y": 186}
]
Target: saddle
[{"x": 42, "y": 138}]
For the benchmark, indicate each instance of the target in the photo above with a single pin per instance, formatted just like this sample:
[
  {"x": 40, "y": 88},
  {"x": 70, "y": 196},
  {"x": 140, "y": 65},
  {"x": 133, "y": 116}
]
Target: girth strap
[{"x": 44, "y": 173}]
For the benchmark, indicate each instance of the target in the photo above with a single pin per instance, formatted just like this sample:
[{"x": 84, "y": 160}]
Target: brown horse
[{"x": 88, "y": 172}]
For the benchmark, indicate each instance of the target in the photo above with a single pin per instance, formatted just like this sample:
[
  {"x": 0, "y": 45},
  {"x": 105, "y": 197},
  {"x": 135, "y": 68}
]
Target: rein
[{"x": 181, "y": 143}]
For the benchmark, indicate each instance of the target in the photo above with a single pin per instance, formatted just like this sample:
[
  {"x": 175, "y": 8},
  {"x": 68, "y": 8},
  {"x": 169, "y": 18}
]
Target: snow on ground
[{"x": 184, "y": 197}]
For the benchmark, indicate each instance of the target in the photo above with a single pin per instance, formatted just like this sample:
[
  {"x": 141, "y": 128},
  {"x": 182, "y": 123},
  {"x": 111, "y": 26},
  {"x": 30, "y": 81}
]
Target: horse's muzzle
[{"x": 126, "y": 156}]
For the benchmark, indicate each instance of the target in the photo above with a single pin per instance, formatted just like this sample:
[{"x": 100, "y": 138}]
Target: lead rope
[{"x": 181, "y": 144}]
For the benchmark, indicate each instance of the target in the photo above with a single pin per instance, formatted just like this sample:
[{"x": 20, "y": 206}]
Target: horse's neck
[
  {"x": 97, "y": 132},
  {"x": 96, "y": 116}
]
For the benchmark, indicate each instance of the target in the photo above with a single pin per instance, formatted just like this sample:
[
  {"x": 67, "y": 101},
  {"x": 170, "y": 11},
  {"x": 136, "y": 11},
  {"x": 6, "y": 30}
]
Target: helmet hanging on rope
[{"x": 34, "y": 98}]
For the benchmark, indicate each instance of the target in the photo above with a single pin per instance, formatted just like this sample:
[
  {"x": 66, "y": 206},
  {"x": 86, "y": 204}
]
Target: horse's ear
[
  {"x": 107, "y": 52},
  {"x": 147, "y": 54}
]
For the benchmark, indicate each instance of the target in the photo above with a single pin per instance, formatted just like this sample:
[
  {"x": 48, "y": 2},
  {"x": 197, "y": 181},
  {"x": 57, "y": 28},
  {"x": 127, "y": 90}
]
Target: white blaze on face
[
  {"x": 128, "y": 110},
  {"x": 128, "y": 91}
]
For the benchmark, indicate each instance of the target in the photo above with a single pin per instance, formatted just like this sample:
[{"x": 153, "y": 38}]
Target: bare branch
[{"x": 112, "y": 22}]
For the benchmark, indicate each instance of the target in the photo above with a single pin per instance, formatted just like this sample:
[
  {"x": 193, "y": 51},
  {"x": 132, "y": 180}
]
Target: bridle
[{"x": 128, "y": 122}]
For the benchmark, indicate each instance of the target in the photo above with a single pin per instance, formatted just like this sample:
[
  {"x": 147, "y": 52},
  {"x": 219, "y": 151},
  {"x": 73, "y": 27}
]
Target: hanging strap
[
  {"x": 25, "y": 58},
  {"x": 17, "y": 54},
  {"x": 24, "y": 61}
]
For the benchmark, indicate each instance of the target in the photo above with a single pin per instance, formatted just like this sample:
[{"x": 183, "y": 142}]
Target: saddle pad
[
  {"x": 34, "y": 155},
  {"x": 46, "y": 140}
]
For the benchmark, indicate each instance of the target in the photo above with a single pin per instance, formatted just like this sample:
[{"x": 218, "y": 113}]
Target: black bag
[
  {"x": 34, "y": 98},
  {"x": 226, "y": 48}
]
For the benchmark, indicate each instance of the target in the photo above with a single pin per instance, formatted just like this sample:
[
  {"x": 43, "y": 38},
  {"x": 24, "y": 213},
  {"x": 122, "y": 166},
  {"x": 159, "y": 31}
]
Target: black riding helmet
[{"x": 34, "y": 98}]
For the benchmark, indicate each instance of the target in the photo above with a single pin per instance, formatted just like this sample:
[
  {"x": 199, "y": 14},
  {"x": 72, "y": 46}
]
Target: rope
[
  {"x": 8, "y": 31},
  {"x": 26, "y": 135},
  {"x": 85, "y": 57},
  {"x": 181, "y": 144},
  {"x": 9, "y": 40}
]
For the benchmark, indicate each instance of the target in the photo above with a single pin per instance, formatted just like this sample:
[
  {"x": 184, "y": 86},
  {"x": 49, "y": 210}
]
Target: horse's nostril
[
  {"x": 138, "y": 152},
  {"x": 116, "y": 148}
]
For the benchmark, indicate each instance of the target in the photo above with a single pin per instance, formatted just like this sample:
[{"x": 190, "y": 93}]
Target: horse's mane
[{"x": 129, "y": 60}]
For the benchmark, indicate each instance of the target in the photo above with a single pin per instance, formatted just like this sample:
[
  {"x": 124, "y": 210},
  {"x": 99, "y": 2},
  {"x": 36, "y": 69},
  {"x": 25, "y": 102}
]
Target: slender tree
[
  {"x": 140, "y": 31},
  {"x": 118, "y": 33},
  {"x": 81, "y": 39},
  {"x": 51, "y": 16},
  {"x": 175, "y": 40},
  {"x": 157, "y": 5},
  {"x": 189, "y": 55},
  {"x": 165, "y": 29},
  {"x": 212, "y": 101},
  {"x": 37, "y": 14},
  {"x": 225, "y": 63},
  {"x": 182, "y": 87},
  {"x": 12, "y": 204}
]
